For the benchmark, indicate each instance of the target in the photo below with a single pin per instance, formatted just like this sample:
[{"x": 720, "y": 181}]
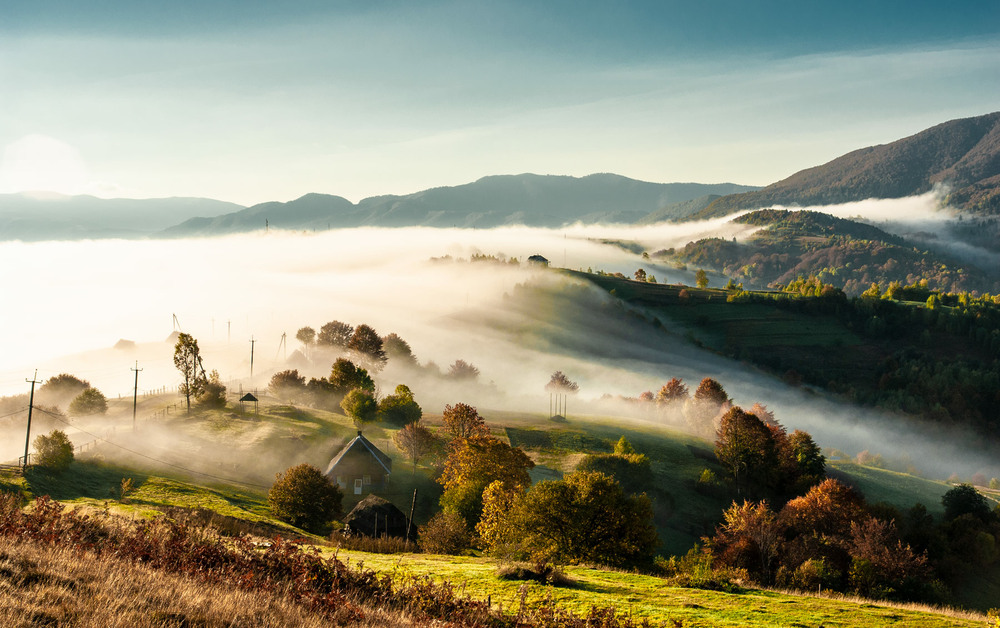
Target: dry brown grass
[{"x": 54, "y": 586}]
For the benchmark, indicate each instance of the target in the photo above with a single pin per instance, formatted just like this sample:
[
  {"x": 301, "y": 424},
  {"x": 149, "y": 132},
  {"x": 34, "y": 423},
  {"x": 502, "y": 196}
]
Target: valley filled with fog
[{"x": 517, "y": 323}]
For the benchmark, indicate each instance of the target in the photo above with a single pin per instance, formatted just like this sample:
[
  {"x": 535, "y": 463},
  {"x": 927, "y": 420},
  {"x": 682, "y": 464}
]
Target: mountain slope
[
  {"x": 963, "y": 155},
  {"x": 55, "y": 217},
  {"x": 526, "y": 199}
]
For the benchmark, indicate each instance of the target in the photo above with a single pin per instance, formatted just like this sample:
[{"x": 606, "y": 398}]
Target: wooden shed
[
  {"x": 377, "y": 517},
  {"x": 360, "y": 467}
]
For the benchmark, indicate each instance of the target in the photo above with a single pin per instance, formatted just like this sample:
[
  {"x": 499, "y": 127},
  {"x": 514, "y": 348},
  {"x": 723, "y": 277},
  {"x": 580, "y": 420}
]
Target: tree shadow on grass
[{"x": 82, "y": 479}]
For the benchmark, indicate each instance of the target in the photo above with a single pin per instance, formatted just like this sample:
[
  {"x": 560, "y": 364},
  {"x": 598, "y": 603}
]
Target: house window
[
  {"x": 368, "y": 480},
  {"x": 340, "y": 482}
]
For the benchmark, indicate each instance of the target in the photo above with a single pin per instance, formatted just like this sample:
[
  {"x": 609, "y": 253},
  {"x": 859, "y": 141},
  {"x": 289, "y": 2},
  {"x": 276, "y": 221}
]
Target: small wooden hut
[{"x": 377, "y": 517}]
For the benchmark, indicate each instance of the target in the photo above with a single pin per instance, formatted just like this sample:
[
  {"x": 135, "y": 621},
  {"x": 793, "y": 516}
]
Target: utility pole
[
  {"x": 229, "y": 331},
  {"x": 409, "y": 522},
  {"x": 31, "y": 403},
  {"x": 135, "y": 392},
  {"x": 282, "y": 345},
  {"x": 252, "y": 341}
]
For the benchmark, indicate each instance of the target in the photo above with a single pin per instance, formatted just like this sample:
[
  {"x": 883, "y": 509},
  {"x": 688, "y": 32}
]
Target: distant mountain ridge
[
  {"x": 962, "y": 155},
  {"x": 525, "y": 199},
  {"x": 34, "y": 217}
]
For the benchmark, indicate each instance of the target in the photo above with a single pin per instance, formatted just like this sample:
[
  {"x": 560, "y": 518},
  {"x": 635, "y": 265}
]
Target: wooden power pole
[{"x": 31, "y": 404}]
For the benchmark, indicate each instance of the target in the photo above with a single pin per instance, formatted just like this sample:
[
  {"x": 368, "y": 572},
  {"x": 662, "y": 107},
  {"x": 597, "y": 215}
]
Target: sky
[{"x": 252, "y": 101}]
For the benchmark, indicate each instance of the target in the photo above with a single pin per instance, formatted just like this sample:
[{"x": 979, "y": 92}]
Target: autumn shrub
[
  {"x": 55, "y": 451},
  {"x": 696, "y": 570},
  {"x": 445, "y": 533},
  {"x": 305, "y": 498}
]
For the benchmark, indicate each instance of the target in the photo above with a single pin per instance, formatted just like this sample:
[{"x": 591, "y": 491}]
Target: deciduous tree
[
  {"x": 90, "y": 401},
  {"x": 701, "y": 278},
  {"x": 187, "y": 359},
  {"x": 287, "y": 385},
  {"x": 463, "y": 371},
  {"x": 54, "y": 452},
  {"x": 305, "y": 498},
  {"x": 306, "y": 335},
  {"x": 399, "y": 408},
  {"x": 359, "y": 404},
  {"x": 415, "y": 441},
  {"x": 672, "y": 391},
  {"x": 366, "y": 344},
  {"x": 586, "y": 517},
  {"x": 474, "y": 463},
  {"x": 745, "y": 447},
  {"x": 463, "y": 421},
  {"x": 398, "y": 350},
  {"x": 335, "y": 334}
]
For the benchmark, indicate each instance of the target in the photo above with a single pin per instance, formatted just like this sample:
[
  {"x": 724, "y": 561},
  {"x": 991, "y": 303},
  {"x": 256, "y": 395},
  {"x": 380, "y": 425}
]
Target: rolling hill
[
  {"x": 526, "y": 199},
  {"x": 961, "y": 155}
]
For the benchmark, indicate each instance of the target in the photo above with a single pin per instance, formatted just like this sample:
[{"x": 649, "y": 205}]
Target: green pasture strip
[{"x": 647, "y": 597}]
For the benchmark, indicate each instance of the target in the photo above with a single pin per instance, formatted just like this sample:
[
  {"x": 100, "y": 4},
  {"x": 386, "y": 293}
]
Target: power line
[{"x": 132, "y": 451}]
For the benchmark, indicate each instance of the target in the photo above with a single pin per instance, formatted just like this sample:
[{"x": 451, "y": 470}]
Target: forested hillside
[{"x": 846, "y": 254}]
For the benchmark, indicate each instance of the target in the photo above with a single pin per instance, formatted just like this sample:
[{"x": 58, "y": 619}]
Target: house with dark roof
[{"x": 360, "y": 467}]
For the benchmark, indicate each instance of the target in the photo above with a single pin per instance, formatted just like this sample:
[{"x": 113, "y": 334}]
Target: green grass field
[{"x": 647, "y": 597}]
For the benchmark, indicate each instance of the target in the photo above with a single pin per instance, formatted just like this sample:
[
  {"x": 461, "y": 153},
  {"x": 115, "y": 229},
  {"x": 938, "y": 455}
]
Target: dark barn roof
[
  {"x": 362, "y": 445},
  {"x": 374, "y": 510}
]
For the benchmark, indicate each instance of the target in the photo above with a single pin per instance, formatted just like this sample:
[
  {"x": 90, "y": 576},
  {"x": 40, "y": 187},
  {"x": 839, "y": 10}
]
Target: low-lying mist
[{"x": 516, "y": 323}]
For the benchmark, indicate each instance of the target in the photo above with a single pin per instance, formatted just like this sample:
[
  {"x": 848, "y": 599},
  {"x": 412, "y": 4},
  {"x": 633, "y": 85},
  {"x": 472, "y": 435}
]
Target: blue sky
[{"x": 257, "y": 101}]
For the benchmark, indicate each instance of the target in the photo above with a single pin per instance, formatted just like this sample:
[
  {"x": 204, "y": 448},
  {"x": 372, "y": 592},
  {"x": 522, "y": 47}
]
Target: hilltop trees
[
  {"x": 559, "y": 387},
  {"x": 61, "y": 389},
  {"x": 344, "y": 377},
  {"x": 287, "y": 385},
  {"x": 463, "y": 371},
  {"x": 334, "y": 334},
  {"x": 398, "y": 350},
  {"x": 90, "y": 401},
  {"x": 399, "y": 408},
  {"x": 672, "y": 392},
  {"x": 366, "y": 345},
  {"x": 708, "y": 401},
  {"x": 306, "y": 335}
]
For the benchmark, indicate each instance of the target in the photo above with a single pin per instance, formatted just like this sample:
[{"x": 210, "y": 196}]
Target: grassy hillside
[
  {"x": 646, "y": 597},
  {"x": 683, "y": 514},
  {"x": 933, "y": 362}
]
